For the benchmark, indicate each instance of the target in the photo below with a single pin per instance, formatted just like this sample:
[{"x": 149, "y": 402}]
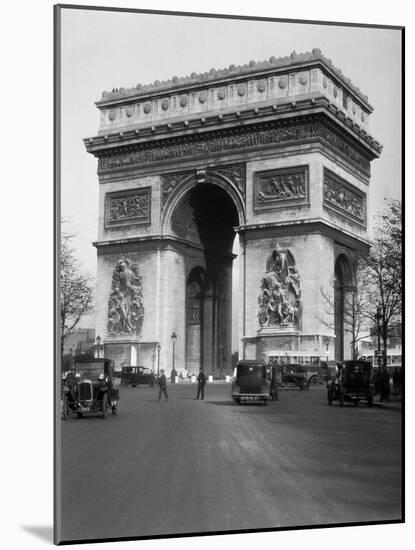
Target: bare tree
[
  {"x": 384, "y": 271},
  {"x": 76, "y": 291},
  {"x": 356, "y": 303}
]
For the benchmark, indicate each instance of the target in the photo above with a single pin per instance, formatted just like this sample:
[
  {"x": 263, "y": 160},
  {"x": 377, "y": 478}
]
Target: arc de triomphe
[{"x": 277, "y": 152}]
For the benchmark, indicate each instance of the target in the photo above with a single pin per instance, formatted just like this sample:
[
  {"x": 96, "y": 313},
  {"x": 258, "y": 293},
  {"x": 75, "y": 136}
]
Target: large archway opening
[
  {"x": 205, "y": 218},
  {"x": 342, "y": 284}
]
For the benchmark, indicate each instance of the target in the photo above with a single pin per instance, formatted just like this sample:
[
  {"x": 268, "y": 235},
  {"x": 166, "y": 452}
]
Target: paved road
[{"x": 186, "y": 466}]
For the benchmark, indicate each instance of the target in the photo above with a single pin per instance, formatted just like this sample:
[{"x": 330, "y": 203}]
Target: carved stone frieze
[
  {"x": 128, "y": 207},
  {"x": 169, "y": 184},
  {"x": 234, "y": 172},
  {"x": 338, "y": 194},
  {"x": 244, "y": 139},
  {"x": 276, "y": 188}
]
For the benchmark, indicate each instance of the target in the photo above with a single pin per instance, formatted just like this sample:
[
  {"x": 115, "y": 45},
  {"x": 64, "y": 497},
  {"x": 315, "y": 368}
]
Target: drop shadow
[{"x": 43, "y": 532}]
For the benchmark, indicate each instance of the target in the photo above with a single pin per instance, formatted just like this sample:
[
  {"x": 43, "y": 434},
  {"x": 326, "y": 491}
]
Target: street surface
[{"x": 187, "y": 466}]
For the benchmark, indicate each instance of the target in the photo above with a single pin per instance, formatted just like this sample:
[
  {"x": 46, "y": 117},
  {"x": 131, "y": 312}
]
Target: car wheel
[
  {"x": 79, "y": 415},
  {"x": 313, "y": 380},
  {"x": 105, "y": 405},
  {"x": 324, "y": 379},
  {"x": 65, "y": 411}
]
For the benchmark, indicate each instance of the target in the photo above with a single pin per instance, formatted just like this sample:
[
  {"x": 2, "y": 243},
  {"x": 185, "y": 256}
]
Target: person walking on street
[
  {"x": 162, "y": 381},
  {"x": 201, "y": 382}
]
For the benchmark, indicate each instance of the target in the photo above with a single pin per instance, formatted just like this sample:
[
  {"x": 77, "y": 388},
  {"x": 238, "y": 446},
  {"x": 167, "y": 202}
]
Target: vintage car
[
  {"x": 295, "y": 375},
  {"x": 90, "y": 388},
  {"x": 134, "y": 376},
  {"x": 250, "y": 383},
  {"x": 353, "y": 383}
]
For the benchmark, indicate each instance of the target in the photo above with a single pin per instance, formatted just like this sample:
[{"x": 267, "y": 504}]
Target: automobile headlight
[{"x": 101, "y": 376}]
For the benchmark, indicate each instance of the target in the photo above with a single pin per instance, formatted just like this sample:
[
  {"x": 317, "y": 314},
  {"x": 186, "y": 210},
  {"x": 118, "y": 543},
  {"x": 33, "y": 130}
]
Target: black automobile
[
  {"x": 295, "y": 375},
  {"x": 135, "y": 376},
  {"x": 353, "y": 383},
  {"x": 250, "y": 383},
  {"x": 90, "y": 388}
]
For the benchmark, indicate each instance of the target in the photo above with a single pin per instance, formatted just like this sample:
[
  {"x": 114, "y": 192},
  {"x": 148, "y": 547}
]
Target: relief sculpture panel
[
  {"x": 128, "y": 207},
  {"x": 339, "y": 195},
  {"x": 125, "y": 304},
  {"x": 283, "y": 187},
  {"x": 280, "y": 297}
]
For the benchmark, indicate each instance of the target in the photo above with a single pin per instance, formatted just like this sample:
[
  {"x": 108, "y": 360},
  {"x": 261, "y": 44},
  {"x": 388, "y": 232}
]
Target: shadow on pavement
[{"x": 223, "y": 403}]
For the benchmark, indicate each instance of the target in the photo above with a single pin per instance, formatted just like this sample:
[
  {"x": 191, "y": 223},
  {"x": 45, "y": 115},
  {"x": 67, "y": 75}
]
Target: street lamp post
[
  {"x": 98, "y": 345},
  {"x": 378, "y": 319},
  {"x": 173, "y": 340},
  {"x": 158, "y": 358}
]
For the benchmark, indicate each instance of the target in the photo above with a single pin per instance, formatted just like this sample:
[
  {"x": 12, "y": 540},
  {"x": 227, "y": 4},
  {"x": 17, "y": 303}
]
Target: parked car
[
  {"x": 250, "y": 383},
  {"x": 134, "y": 376},
  {"x": 90, "y": 388},
  {"x": 294, "y": 374},
  {"x": 353, "y": 382}
]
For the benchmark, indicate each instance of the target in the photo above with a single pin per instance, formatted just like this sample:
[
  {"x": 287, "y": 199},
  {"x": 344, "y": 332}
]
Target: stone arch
[
  {"x": 192, "y": 181},
  {"x": 202, "y": 216},
  {"x": 343, "y": 282}
]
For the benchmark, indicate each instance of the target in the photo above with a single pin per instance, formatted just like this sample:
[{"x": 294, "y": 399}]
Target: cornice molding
[
  {"x": 240, "y": 139},
  {"x": 231, "y": 120},
  {"x": 301, "y": 227}
]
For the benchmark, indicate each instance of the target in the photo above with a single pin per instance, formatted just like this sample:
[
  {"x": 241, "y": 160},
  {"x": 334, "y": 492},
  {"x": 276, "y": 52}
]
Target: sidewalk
[{"x": 392, "y": 405}]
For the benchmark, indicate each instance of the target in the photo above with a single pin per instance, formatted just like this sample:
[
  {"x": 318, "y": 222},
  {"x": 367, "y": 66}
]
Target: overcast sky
[{"x": 102, "y": 50}]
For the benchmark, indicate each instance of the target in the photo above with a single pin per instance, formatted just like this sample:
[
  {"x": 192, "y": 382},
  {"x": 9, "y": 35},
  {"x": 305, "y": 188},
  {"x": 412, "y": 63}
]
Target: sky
[{"x": 104, "y": 50}]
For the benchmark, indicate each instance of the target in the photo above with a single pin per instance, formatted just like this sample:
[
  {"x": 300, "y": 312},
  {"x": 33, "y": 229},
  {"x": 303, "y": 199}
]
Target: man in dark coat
[
  {"x": 162, "y": 382},
  {"x": 201, "y": 382}
]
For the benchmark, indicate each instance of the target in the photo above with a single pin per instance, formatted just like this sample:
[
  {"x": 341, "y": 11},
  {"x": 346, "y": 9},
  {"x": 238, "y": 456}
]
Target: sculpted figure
[
  {"x": 125, "y": 304},
  {"x": 280, "y": 290}
]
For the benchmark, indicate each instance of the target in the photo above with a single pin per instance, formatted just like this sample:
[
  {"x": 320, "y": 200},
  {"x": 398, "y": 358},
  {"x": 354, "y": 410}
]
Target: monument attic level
[{"x": 279, "y": 150}]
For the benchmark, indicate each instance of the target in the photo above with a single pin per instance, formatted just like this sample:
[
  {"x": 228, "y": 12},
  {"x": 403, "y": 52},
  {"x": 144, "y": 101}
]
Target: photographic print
[{"x": 229, "y": 231}]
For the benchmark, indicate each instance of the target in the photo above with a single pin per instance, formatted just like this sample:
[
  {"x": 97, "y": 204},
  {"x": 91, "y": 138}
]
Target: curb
[{"x": 391, "y": 406}]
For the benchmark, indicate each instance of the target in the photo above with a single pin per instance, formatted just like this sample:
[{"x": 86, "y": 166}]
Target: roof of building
[{"x": 231, "y": 71}]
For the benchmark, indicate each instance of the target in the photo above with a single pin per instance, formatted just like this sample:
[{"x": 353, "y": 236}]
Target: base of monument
[
  {"x": 127, "y": 350},
  {"x": 280, "y": 330}
]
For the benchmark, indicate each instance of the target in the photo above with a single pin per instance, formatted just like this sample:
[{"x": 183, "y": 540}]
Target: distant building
[
  {"x": 79, "y": 341},
  {"x": 368, "y": 345}
]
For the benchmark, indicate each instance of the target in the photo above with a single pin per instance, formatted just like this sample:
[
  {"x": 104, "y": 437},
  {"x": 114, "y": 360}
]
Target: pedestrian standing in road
[
  {"x": 385, "y": 387},
  {"x": 162, "y": 382},
  {"x": 201, "y": 382}
]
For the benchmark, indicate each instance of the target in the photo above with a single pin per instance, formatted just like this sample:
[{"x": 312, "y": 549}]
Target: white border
[{"x": 27, "y": 252}]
